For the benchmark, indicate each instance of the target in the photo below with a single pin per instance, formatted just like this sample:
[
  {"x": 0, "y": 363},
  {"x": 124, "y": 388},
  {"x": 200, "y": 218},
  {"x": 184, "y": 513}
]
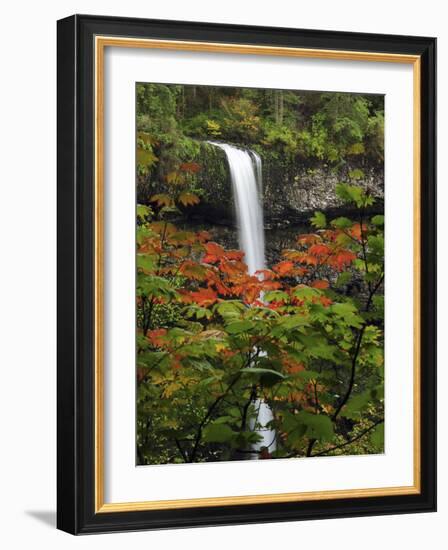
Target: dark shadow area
[{"x": 48, "y": 517}]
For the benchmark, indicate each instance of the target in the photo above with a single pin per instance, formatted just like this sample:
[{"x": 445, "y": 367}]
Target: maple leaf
[
  {"x": 309, "y": 259},
  {"x": 320, "y": 283},
  {"x": 342, "y": 259},
  {"x": 203, "y": 236},
  {"x": 203, "y": 296},
  {"x": 294, "y": 255},
  {"x": 214, "y": 252},
  {"x": 284, "y": 267},
  {"x": 265, "y": 275},
  {"x": 319, "y": 250},
  {"x": 251, "y": 293},
  {"x": 236, "y": 255},
  {"x": 192, "y": 167},
  {"x": 270, "y": 285},
  {"x": 325, "y": 301},
  {"x": 356, "y": 231},
  {"x": 193, "y": 270},
  {"x": 188, "y": 199},
  {"x": 310, "y": 238},
  {"x": 232, "y": 268},
  {"x": 174, "y": 178},
  {"x": 162, "y": 200},
  {"x": 157, "y": 336}
]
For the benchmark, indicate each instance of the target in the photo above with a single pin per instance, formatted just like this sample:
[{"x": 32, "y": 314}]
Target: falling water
[
  {"x": 249, "y": 214},
  {"x": 246, "y": 175}
]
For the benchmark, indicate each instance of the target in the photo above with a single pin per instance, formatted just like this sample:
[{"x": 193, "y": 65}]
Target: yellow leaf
[
  {"x": 220, "y": 347},
  {"x": 188, "y": 199},
  {"x": 162, "y": 200},
  {"x": 170, "y": 389},
  {"x": 173, "y": 178}
]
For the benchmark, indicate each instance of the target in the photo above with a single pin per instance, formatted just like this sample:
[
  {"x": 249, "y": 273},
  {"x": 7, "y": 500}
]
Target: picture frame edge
[{"x": 75, "y": 406}]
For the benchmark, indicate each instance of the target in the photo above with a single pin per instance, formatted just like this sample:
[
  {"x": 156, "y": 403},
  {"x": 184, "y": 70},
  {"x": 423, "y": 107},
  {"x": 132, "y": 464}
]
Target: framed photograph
[{"x": 246, "y": 265}]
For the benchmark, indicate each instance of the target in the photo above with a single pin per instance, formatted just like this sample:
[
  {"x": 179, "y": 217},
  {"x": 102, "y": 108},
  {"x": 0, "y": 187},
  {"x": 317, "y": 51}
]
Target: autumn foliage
[{"x": 305, "y": 335}]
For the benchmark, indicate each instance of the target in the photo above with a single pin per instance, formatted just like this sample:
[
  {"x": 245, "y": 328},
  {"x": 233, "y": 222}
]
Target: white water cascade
[{"x": 246, "y": 175}]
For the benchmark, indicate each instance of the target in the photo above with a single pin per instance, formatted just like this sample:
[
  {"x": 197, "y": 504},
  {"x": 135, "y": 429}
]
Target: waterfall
[
  {"x": 246, "y": 176},
  {"x": 249, "y": 213}
]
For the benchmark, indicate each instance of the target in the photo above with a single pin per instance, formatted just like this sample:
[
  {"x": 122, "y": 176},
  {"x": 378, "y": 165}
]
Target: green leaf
[
  {"x": 319, "y": 220},
  {"x": 294, "y": 321},
  {"x": 238, "y": 327},
  {"x": 154, "y": 286},
  {"x": 318, "y": 426},
  {"x": 378, "y": 220},
  {"x": 304, "y": 292},
  {"x": 376, "y": 244},
  {"x": 149, "y": 359},
  {"x": 343, "y": 278},
  {"x": 218, "y": 433},
  {"x": 377, "y": 437},
  {"x": 348, "y": 312},
  {"x": 356, "y": 404},
  {"x": 230, "y": 309},
  {"x": 342, "y": 223},
  {"x": 259, "y": 370},
  {"x": 353, "y": 194},
  {"x": 143, "y": 210},
  {"x": 275, "y": 296},
  {"x": 307, "y": 375},
  {"x": 146, "y": 261},
  {"x": 296, "y": 435},
  {"x": 356, "y": 174}
]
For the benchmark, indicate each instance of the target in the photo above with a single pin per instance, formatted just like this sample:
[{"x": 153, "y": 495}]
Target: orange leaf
[
  {"x": 156, "y": 336},
  {"x": 320, "y": 283},
  {"x": 325, "y": 301},
  {"x": 251, "y": 293},
  {"x": 311, "y": 238},
  {"x": 294, "y": 255},
  {"x": 236, "y": 255},
  {"x": 292, "y": 366},
  {"x": 319, "y": 250},
  {"x": 342, "y": 259},
  {"x": 213, "y": 252},
  {"x": 265, "y": 274},
  {"x": 309, "y": 259},
  {"x": 192, "y": 167},
  {"x": 355, "y": 231},
  {"x": 283, "y": 268},
  {"x": 270, "y": 285},
  {"x": 203, "y": 297},
  {"x": 232, "y": 268}
]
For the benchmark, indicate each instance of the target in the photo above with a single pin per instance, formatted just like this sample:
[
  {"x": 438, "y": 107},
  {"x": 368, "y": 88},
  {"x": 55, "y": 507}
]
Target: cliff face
[
  {"x": 292, "y": 191},
  {"x": 297, "y": 191}
]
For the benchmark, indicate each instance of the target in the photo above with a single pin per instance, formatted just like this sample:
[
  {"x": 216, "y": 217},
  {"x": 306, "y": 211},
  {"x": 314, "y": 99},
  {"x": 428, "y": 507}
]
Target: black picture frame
[{"x": 76, "y": 269}]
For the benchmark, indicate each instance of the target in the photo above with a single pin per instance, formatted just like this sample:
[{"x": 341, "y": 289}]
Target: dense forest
[
  {"x": 324, "y": 127},
  {"x": 305, "y": 334}
]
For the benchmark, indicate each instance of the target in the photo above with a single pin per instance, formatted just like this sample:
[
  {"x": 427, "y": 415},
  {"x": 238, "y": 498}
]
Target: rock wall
[
  {"x": 292, "y": 191},
  {"x": 295, "y": 192}
]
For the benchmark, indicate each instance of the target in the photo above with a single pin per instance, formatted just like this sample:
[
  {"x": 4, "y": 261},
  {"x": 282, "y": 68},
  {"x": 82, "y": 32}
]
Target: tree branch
[
  {"x": 182, "y": 452},
  {"x": 208, "y": 415},
  {"x": 350, "y": 441}
]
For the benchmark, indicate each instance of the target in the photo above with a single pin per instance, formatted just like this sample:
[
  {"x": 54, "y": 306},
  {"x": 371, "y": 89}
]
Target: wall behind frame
[{"x": 27, "y": 277}]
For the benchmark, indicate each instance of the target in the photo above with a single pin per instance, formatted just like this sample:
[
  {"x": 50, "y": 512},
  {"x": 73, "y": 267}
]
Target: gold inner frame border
[{"x": 101, "y": 42}]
